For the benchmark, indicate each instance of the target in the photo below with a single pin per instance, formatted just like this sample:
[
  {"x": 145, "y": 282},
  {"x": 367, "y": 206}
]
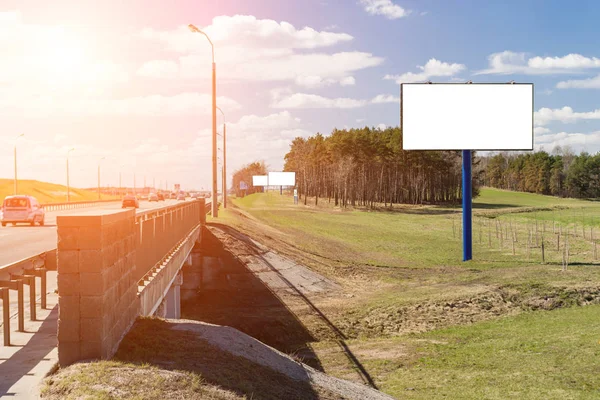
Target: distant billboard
[
  {"x": 282, "y": 179},
  {"x": 458, "y": 116},
  {"x": 260, "y": 180}
]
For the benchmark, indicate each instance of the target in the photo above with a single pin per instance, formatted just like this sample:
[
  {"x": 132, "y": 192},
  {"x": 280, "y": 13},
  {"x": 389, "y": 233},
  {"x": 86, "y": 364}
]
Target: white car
[
  {"x": 152, "y": 197},
  {"x": 22, "y": 209}
]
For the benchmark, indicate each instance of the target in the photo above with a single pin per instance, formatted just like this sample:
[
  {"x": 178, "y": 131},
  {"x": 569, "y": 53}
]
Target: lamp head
[{"x": 193, "y": 28}]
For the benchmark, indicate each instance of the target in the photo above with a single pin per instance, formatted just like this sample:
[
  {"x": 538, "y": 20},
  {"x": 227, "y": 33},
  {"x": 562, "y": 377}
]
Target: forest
[
  {"x": 367, "y": 167},
  {"x": 561, "y": 173}
]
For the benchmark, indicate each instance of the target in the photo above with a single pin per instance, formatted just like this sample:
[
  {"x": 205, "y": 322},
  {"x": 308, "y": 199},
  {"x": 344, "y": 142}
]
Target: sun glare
[{"x": 63, "y": 59}]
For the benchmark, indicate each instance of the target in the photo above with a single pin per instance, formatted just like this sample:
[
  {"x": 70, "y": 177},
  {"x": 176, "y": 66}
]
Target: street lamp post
[
  {"x": 224, "y": 160},
  {"x": 22, "y": 134},
  {"x": 68, "y": 186},
  {"x": 214, "y": 204},
  {"x": 120, "y": 180},
  {"x": 99, "y": 176}
]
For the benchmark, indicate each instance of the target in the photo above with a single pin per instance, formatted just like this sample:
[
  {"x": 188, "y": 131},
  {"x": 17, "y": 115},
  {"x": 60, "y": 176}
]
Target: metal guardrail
[
  {"x": 74, "y": 204},
  {"x": 13, "y": 276}
]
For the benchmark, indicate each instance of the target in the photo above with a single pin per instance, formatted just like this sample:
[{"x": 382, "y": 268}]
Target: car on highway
[
  {"x": 130, "y": 201},
  {"x": 22, "y": 209},
  {"x": 152, "y": 197},
  {"x": 161, "y": 196},
  {"x": 181, "y": 196}
]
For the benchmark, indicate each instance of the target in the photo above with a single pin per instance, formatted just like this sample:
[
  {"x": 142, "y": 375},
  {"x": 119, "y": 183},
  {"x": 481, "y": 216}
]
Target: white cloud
[
  {"x": 255, "y": 137},
  {"x": 44, "y": 58},
  {"x": 245, "y": 31},
  {"x": 539, "y": 130},
  {"x": 381, "y": 127},
  {"x": 313, "y": 82},
  {"x": 304, "y": 100},
  {"x": 159, "y": 69},
  {"x": 509, "y": 62},
  {"x": 347, "y": 81},
  {"x": 545, "y": 115},
  {"x": 589, "y": 142},
  {"x": 385, "y": 8},
  {"x": 59, "y": 138},
  {"x": 360, "y": 120},
  {"x": 239, "y": 64},
  {"x": 591, "y": 83},
  {"x": 247, "y": 48},
  {"x": 385, "y": 98},
  {"x": 153, "y": 105},
  {"x": 433, "y": 68}
]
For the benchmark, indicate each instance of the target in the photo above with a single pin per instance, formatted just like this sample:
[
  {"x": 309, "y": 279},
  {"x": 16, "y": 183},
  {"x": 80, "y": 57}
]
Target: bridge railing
[
  {"x": 158, "y": 231},
  {"x": 157, "y": 243},
  {"x": 74, "y": 204}
]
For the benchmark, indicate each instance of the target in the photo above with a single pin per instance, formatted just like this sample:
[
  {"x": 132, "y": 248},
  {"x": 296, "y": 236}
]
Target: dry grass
[
  {"x": 156, "y": 362},
  {"x": 47, "y": 192}
]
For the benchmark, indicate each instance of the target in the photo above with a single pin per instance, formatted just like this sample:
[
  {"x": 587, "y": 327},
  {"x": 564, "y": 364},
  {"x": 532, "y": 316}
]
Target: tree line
[
  {"x": 244, "y": 174},
  {"x": 561, "y": 173},
  {"x": 367, "y": 167}
]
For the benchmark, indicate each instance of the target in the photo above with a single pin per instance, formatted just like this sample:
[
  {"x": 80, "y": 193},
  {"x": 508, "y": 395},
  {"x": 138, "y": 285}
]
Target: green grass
[
  {"x": 416, "y": 237},
  {"x": 536, "y": 355},
  {"x": 415, "y": 253},
  {"x": 496, "y": 198},
  {"x": 47, "y": 192}
]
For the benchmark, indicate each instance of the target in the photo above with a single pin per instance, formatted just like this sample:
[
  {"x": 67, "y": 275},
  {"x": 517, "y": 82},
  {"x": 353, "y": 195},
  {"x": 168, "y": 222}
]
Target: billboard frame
[
  {"x": 467, "y": 163},
  {"x": 469, "y": 83}
]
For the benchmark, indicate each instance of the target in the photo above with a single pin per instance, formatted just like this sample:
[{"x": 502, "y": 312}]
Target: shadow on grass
[
  {"x": 231, "y": 295},
  {"x": 152, "y": 341},
  {"x": 426, "y": 210},
  {"x": 339, "y": 335},
  {"x": 494, "y": 206}
]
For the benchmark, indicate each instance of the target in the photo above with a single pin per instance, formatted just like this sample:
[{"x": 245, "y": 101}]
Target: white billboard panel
[
  {"x": 260, "y": 180},
  {"x": 458, "y": 116},
  {"x": 282, "y": 179}
]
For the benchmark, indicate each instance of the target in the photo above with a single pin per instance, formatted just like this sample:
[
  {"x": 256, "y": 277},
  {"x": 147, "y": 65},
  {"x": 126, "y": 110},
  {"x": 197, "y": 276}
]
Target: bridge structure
[{"x": 112, "y": 265}]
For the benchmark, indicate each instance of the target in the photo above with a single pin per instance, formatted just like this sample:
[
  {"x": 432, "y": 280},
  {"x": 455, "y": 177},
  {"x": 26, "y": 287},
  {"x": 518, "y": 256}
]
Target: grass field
[
  {"x": 47, "y": 192},
  {"x": 427, "y": 325}
]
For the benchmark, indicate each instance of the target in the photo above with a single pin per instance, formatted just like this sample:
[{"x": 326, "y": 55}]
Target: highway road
[{"x": 22, "y": 241}]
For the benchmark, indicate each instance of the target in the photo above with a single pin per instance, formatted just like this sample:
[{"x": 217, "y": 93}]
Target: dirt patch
[{"x": 429, "y": 315}]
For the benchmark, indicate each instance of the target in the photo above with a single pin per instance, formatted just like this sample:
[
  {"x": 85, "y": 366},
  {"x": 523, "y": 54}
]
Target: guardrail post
[
  {"x": 41, "y": 273},
  {"x": 18, "y": 286},
  {"x": 21, "y": 305},
  {"x": 6, "y": 315},
  {"x": 28, "y": 280}
]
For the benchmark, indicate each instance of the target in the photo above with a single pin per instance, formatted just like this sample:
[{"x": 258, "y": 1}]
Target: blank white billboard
[
  {"x": 260, "y": 180},
  {"x": 282, "y": 179},
  {"x": 458, "y": 116}
]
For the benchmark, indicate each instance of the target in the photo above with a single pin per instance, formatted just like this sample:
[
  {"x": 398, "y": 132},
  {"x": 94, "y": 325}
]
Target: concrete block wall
[{"x": 97, "y": 288}]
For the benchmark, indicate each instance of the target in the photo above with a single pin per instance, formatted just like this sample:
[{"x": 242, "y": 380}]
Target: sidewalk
[{"x": 33, "y": 353}]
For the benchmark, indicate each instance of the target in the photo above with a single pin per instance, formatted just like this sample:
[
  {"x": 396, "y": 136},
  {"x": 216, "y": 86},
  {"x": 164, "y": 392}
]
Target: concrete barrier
[
  {"x": 75, "y": 204},
  {"x": 114, "y": 266}
]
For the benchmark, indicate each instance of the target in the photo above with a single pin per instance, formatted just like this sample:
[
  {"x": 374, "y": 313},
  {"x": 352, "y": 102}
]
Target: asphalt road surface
[{"x": 22, "y": 241}]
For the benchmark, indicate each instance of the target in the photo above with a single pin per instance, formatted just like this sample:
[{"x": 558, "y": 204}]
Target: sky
[{"x": 128, "y": 86}]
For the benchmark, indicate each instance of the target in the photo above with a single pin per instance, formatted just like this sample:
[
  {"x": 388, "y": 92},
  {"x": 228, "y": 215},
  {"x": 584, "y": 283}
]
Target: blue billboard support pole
[{"x": 467, "y": 197}]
